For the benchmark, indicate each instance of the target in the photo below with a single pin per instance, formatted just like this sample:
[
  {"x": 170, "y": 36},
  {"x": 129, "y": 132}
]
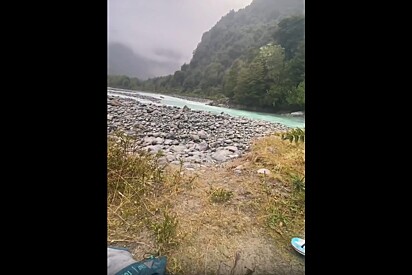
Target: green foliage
[
  {"x": 297, "y": 96},
  {"x": 135, "y": 185},
  {"x": 220, "y": 195},
  {"x": 290, "y": 34},
  {"x": 231, "y": 78},
  {"x": 132, "y": 174},
  {"x": 277, "y": 218},
  {"x": 178, "y": 78},
  {"x": 285, "y": 211},
  {"x": 123, "y": 82},
  {"x": 298, "y": 182},
  {"x": 296, "y": 135},
  {"x": 165, "y": 230}
]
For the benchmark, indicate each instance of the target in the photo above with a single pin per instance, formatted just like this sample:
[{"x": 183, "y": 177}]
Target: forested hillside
[{"x": 253, "y": 58}]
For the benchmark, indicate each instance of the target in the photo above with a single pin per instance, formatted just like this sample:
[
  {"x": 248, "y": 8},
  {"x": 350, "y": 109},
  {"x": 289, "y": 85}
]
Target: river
[{"x": 293, "y": 122}]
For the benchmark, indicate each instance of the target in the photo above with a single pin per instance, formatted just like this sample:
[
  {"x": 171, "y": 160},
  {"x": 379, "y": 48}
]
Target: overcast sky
[{"x": 165, "y": 30}]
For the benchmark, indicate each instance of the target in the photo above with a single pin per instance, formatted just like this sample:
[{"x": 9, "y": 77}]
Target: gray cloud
[
  {"x": 168, "y": 53},
  {"x": 165, "y": 30}
]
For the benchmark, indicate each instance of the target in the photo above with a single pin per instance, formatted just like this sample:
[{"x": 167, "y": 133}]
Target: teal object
[
  {"x": 299, "y": 245},
  {"x": 150, "y": 266}
]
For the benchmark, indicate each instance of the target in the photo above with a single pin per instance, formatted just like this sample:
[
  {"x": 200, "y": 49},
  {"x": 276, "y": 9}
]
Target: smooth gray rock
[{"x": 221, "y": 155}]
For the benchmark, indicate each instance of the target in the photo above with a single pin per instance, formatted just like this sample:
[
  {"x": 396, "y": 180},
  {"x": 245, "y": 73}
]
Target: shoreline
[
  {"x": 216, "y": 103},
  {"x": 196, "y": 138},
  {"x": 195, "y": 99},
  {"x": 228, "y": 105}
]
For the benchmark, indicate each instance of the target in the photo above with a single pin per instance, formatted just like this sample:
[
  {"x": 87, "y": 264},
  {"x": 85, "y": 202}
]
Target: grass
[
  {"x": 284, "y": 205},
  {"x": 220, "y": 195},
  {"x": 137, "y": 186},
  {"x": 165, "y": 230},
  {"x": 201, "y": 219}
]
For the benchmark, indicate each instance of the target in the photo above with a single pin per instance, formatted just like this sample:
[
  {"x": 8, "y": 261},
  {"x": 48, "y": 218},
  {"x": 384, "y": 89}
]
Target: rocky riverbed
[{"x": 194, "y": 137}]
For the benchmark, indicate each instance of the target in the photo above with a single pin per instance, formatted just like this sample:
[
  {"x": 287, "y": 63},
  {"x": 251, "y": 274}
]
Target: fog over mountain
[{"x": 154, "y": 38}]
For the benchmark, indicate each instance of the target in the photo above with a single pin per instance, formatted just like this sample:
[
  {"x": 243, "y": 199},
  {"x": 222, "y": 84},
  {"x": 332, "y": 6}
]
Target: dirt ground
[{"x": 223, "y": 238}]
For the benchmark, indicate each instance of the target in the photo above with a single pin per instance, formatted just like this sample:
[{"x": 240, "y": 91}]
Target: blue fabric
[{"x": 152, "y": 266}]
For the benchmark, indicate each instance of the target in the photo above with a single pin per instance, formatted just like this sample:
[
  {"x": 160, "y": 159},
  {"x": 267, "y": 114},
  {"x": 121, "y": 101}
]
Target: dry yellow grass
[
  {"x": 280, "y": 156},
  {"x": 285, "y": 203},
  {"x": 252, "y": 225}
]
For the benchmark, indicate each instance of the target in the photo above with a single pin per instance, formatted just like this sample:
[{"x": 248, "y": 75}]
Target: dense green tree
[
  {"x": 290, "y": 34},
  {"x": 231, "y": 78},
  {"x": 297, "y": 96}
]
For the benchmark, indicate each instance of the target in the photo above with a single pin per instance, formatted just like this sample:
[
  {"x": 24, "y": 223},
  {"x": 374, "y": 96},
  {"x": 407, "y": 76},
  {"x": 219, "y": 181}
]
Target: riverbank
[
  {"x": 145, "y": 97},
  {"x": 219, "y": 200},
  {"x": 195, "y": 99},
  {"x": 224, "y": 103},
  {"x": 192, "y": 137},
  {"x": 225, "y": 219}
]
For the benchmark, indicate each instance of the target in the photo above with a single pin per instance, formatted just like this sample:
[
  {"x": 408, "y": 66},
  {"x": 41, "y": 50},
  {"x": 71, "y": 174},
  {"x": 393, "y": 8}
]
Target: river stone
[
  {"x": 168, "y": 142},
  {"x": 231, "y": 148},
  {"x": 153, "y": 148},
  {"x": 202, "y": 146},
  {"x": 159, "y": 140},
  {"x": 221, "y": 155},
  {"x": 264, "y": 171},
  {"x": 177, "y": 148},
  {"x": 202, "y": 134},
  {"x": 148, "y": 140},
  {"x": 170, "y": 158}
]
